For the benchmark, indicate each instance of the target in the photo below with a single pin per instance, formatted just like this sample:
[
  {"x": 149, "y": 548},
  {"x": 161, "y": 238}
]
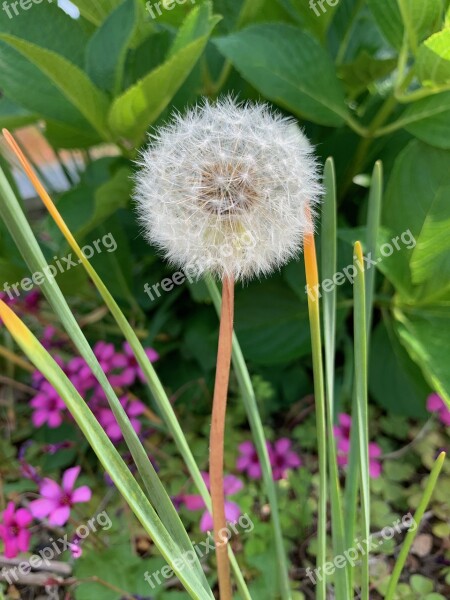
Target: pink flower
[
  {"x": 437, "y": 405},
  {"x": 106, "y": 418},
  {"x": 14, "y": 530},
  {"x": 113, "y": 364},
  {"x": 32, "y": 300},
  {"x": 248, "y": 461},
  {"x": 133, "y": 365},
  {"x": 282, "y": 458},
  {"x": 231, "y": 485},
  {"x": 57, "y": 501},
  {"x": 342, "y": 434},
  {"x": 48, "y": 407}
]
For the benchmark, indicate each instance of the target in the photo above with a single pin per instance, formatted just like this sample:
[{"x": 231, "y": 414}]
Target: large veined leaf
[
  {"x": 433, "y": 59},
  {"x": 139, "y": 106},
  {"x": 289, "y": 67},
  {"x": 429, "y": 120},
  {"x": 71, "y": 81},
  {"x": 106, "y": 452},
  {"x": 419, "y": 187},
  {"x": 49, "y": 27},
  {"x": 106, "y": 51}
]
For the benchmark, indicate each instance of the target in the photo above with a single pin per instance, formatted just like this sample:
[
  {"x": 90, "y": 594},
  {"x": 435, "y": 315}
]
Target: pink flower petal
[
  {"x": 42, "y": 507},
  {"x": 282, "y": 445},
  {"x": 81, "y": 494},
  {"x": 59, "y": 516},
  {"x": 232, "y": 512},
  {"x": 374, "y": 469},
  {"x": 23, "y": 517},
  {"x": 232, "y": 485},
  {"x": 23, "y": 540},
  {"x": 434, "y": 403},
  {"x": 11, "y": 549},
  {"x": 444, "y": 415},
  {"x": 374, "y": 450},
  {"x": 8, "y": 513},
  {"x": 246, "y": 448},
  {"x": 206, "y": 522},
  {"x": 152, "y": 355},
  {"x": 254, "y": 471},
  {"x": 69, "y": 478},
  {"x": 193, "y": 502}
]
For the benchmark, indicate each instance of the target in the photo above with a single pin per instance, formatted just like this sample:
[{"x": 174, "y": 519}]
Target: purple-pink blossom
[
  {"x": 232, "y": 485},
  {"x": 342, "y": 434},
  {"x": 14, "y": 530},
  {"x": 282, "y": 459},
  {"x": 57, "y": 500},
  {"x": 435, "y": 404},
  {"x": 133, "y": 365},
  {"x": 106, "y": 418},
  {"x": 48, "y": 407}
]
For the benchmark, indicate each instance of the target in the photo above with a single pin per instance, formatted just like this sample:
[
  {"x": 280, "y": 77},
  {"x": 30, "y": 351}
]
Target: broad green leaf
[
  {"x": 289, "y": 67},
  {"x": 110, "y": 459},
  {"x": 72, "y": 82},
  {"x": 429, "y": 120},
  {"x": 366, "y": 69},
  {"x": 106, "y": 51},
  {"x": 139, "y": 106},
  {"x": 395, "y": 382},
  {"x": 12, "y": 115},
  {"x": 419, "y": 187},
  {"x": 62, "y": 136},
  {"x": 20, "y": 75},
  {"x": 310, "y": 15},
  {"x": 424, "y": 333},
  {"x": 419, "y": 18},
  {"x": 433, "y": 59},
  {"x": 49, "y": 27},
  {"x": 96, "y": 11}
]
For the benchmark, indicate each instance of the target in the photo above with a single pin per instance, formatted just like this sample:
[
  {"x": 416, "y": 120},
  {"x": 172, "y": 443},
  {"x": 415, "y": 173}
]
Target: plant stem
[
  {"x": 312, "y": 280},
  {"x": 216, "y": 445}
]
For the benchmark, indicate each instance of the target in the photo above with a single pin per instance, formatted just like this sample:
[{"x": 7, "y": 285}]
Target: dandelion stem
[{"x": 216, "y": 445}]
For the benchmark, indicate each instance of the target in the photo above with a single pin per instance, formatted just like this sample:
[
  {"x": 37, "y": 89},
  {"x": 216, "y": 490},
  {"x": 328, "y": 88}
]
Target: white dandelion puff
[{"x": 228, "y": 188}]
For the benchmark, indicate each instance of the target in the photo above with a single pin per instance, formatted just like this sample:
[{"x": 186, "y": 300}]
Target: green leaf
[
  {"x": 49, "y": 27},
  {"x": 271, "y": 323},
  {"x": 419, "y": 187},
  {"x": 106, "y": 51},
  {"x": 433, "y": 59},
  {"x": 310, "y": 16},
  {"x": 96, "y": 12},
  {"x": 139, "y": 106},
  {"x": 429, "y": 120},
  {"x": 389, "y": 19},
  {"x": 394, "y": 380},
  {"x": 289, "y": 67},
  {"x": 72, "y": 82},
  {"x": 12, "y": 115},
  {"x": 363, "y": 71},
  {"x": 170, "y": 544}
]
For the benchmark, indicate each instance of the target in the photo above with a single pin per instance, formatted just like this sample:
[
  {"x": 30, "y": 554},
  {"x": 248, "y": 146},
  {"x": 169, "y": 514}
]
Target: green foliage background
[{"x": 367, "y": 80}]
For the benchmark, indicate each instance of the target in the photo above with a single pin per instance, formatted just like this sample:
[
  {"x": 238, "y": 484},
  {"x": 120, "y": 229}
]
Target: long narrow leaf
[
  {"x": 152, "y": 379},
  {"x": 254, "y": 418},
  {"x": 373, "y": 226},
  {"x": 27, "y": 244},
  {"x": 329, "y": 266},
  {"x": 362, "y": 422},
  {"x": 106, "y": 453}
]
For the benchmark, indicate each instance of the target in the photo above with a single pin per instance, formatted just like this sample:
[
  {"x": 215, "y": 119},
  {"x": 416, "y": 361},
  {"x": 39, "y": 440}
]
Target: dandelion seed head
[{"x": 229, "y": 188}]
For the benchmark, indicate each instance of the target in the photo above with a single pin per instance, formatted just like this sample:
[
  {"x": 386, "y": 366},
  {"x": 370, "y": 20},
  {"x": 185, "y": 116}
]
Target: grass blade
[
  {"x": 312, "y": 281},
  {"x": 373, "y": 226},
  {"x": 362, "y": 424},
  {"x": 106, "y": 453},
  {"x": 329, "y": 266},
  {"x": 27, "y": 244},
  {"x": 254, "y": 418},
  {"x": 418, "y": 516}
]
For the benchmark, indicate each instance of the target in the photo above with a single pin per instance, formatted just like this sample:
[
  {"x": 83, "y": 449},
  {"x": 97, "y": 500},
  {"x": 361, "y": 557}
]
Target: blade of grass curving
[
  {"x": 373, "y": 226},
  {"x": 328, "y": 240},
  {"x": 418, "y": 516},
  {"x": 106, "y": 453},
  {"x": 312, "y": 281},
  {"x": 152, "y": 379},
  {"x": 28, "y": 246},
  {"x": 254, "y": 418},
  {"x": 362, "y": 422}
]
